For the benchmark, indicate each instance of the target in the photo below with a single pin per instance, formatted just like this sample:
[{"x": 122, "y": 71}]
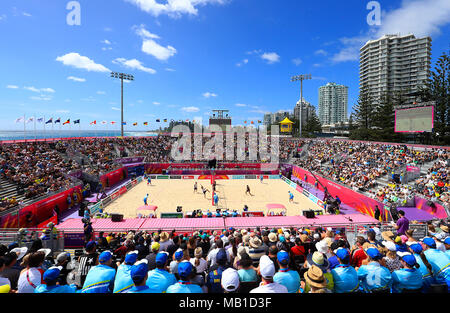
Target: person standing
[
  {"x": 145, "y": 199},
  {"x": 402, "y": 224}
]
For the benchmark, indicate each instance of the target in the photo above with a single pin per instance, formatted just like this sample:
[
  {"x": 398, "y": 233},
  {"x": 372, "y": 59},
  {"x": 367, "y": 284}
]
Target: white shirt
[
  {"x": 35, "y": 277},
  {"x": 270, "y": 288},
  {"x": 202, "y": 267}
]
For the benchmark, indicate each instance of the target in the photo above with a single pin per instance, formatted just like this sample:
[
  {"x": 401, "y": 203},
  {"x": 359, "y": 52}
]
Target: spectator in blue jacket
[
  {"x": 374, "y": 277},
  {"x": 160, "y": 279},
  {"x": 286, "y": 277},
  {"x": 50, "y": 278},
  {"x": 409, "y": 278},
  {"x": 123, "y": 281},
  {"x": 100, "y": 278},
  {"x": 439, "y": 260},
  {"x": 139, "y": 274},
  {"x": 345, "y": 276},
  {"x": 185, "y": 269}
]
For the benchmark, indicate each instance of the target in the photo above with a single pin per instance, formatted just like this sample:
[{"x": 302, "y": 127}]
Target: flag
[
  {"x": 20, "y": 119},
  {"x": 93, "y": 123},
  {"x": 165, "y": 120},
  {"x": 67, "y": 122},
  {"x": 259, "y": 121},
  {"x": 49, "y": 121},
  {"x": 134, "y": 124},
  {"x": 40, "y": 120},
  {"x": 58, "y": 120},
  {"x": 31, "y": 119},
  {"x": 76, "y": 122},
  {"x": 112, "y": 123},
  {"x": 145, "y": 123},
  {"x": 245, "y": 122},
  {"x": 124, "y": 123},
  {"x": 251, "y": 122},
  {"x": 104, "y": 122},
  {"x": 187, "y": 120},
  {"x": 157, "y": 120}
]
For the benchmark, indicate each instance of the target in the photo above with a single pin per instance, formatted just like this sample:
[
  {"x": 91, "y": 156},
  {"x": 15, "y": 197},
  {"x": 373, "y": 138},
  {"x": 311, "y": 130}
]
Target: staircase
[{"x": 9, "y": 190}]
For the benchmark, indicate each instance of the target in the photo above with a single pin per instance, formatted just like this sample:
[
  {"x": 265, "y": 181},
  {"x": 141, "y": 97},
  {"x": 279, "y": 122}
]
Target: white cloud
[
  {"x": 12, "y": 87},
  {"x": 156, "y": 103},
  {"x": 173, "y": 8},
  {"x": 42, "y": 90},
  {"x": 151, "y": 47},
  {"x": 106, "y": 48},
  {"x": 41, "y": 98},
  {"x": 297, "y": 61},
  {"x": 82, "y": 62},
  {"x": 418, "y": 17},
  {"x": 26, "y": 14},
  {"x": 100, "y": 92},
  {"x": 106, "y": 42},
  {"x": 33, "y": 89},
  {"x": 115, "y": 109},
  {"x": 169, "y": 69},
  {"x": 190, "y": 109},
  {"x": 142, "y": 32},
  {"x": 133, "y": 64},
  {"x": 245, "y": 61},
  {"x": 321, "y": 52},
  {"x": 47, "y": 90},
  {"x": 270, "y": 57},
  {"x": 76, "y": 79},
  {"x": 209, "y": 94},
  {"x": 240, "y": 105}
]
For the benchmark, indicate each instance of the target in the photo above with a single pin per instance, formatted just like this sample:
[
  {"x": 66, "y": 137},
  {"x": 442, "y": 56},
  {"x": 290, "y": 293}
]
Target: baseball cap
[
  {"x": 131, "y": 257},
  {"x": 52, "y": 273},
  {"x": 178, "y": 254},
  {"x": 429, "y": 242},
  {"x": 283, "y": 257},
  {"x": 90, "y": 245},
  {"x": 266, "y": 267},
  {"x": 105, "y": 256},
  {"x": 373, "y": 253},
  {"x": 447, "y": 241},
  {"x": 416, "y": 247},
  {"x": 184, "y": 268},
  {"x": 62, "y": 256},
  {"x": 341, "y": 253},
  {"x": 230, "y": 279},
  {"x": 161, "y": 258},
  {"x": 139, "y": 270},
  {"x": 155, "y": 246},
  {"x": 390, "y": 245},
  {"x": 407, "y": 257},
  {"x": 221, "y": 255}
]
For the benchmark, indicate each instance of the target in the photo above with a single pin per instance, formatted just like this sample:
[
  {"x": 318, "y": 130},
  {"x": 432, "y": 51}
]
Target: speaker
[
  {"x": 116, "y": 217},
  {"x": 309, "y": 214},
  {"x": 80, "y": 212},
  {"x": 179, "y": 208}
]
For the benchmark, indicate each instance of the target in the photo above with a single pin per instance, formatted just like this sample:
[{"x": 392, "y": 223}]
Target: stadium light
[
  {"x": 122, "y": 76},
  {"x": 301, "y": 78}
]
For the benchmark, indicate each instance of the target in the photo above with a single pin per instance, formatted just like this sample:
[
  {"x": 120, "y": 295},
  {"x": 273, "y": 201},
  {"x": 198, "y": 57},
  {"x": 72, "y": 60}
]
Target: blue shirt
[
  {"x": 159, "y": 280},
  {"x": 333, "y": 262},
  {"x": 184, "y": 287},
  {"x": 140, "y": 289},
  {"x": 289, "y": 279},
  {"x": 406, "y": 278},
  {"x": 123, "y": 281},
  {"x": 345, "y": 278},
  {"x": 427, "y": 278},
  {"x": 374, "y": 276},
  {"x": 100, "y": 279},
  {"x": 440, "y": 262},
  {"x": 248, "y": 275},
  {"x": 213, "y": 280},
  {"x": 56, "y": 289}
]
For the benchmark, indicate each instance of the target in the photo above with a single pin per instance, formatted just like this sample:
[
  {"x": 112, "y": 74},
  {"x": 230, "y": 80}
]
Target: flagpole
[
  {"x": 24, "y": 129},
  {"x": 35, "y": 137},
  {"x": 43, "y": 122}
]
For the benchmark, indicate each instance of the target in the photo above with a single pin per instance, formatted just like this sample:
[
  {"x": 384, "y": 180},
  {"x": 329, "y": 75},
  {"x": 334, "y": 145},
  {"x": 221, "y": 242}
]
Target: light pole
[
  {"x": 122, "y": 76},
  {"x": 300, "y": 78}
]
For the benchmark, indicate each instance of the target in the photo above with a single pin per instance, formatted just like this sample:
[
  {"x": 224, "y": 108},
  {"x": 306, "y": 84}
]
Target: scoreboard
[{"x": 414, "y": 120}]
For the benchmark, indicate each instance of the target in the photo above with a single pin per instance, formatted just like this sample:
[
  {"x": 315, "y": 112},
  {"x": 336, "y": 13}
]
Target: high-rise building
[
  {"x": 333, "y": 100},
  {"x": 394, "y": 63},
  {"x": 307, "y": 111}
]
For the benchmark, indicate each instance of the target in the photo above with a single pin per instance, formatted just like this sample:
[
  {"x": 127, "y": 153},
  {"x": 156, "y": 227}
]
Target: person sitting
[
  {"x": 185, "y": 270},
  {"x": 50, "y": 285},
  {"x": 139, "y": 274},
  {"x": 367, "y": 273},
  {"x": 409, "y": 278},
  {"x": 160, "y": 279},
  {"x": 345, "y": 277},
  {"x": 100, "y": 278}
]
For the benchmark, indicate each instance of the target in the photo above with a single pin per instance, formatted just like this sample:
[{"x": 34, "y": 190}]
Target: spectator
[
  {"x": 409, "y": 278},
  {"x": 345, "y": 277},
  {"x": 246, "y": 271},
  {"x": 160, "y": 279},
  {"x": 164, "y": 241},
  {"x": 357, "y": 254},
  {"x": 100, "y": 278},
  {"x": 266, "y": 270},
  {"x": 50, "y": 282},
  {"x": 88, "y": 260},
  {"x": 199, "y": 263},
  {"x": 9, "y": 271},
  {"x": 391, "y": 260},
  {"x": 316, "y": 281},
  {"x": 185, "y": 269},
  {"x": 178, "y": 257},
  {"x": 256, "y": 251},
  {"x": 215, "y": 272},
  {"x": 230, "y": 281},
  {"x": 402, "y": 224},
  {"x": 123, "y": 281},
  {"x": 63, "y": 260},
  {"x": 31, "y": 276},
  {"x": 139, "y": 274},
  {"x": 425, "y": 268},
  {"x": 439, "y": 260},
  {"x": 286, "y": 277},
  {"x": 374, "y": 277},
  {"x": 151, "y": 258}
]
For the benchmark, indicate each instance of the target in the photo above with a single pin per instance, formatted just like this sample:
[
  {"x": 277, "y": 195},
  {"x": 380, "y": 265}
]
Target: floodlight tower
[
  {"x": 301, "y": 78},
  {"x": 122, "y": 76}
]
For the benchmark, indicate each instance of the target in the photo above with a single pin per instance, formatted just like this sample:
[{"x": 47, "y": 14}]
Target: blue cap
[
  {"x": 283, "y": 257},
  {"x": 447, "y": 241},
  {"x": 139, "y": 270},
  {"x": 416, "y": 247},
  {"x": 341, "y": 253},
  {"x": 178, "y": 254},
  {"x": 161, "y": 258},
  {"x": 52, "y": 273},
  {"x": 105, "y": 256},
  {"x": 429, "y": 242},
  {"x": 131, "y": 257},
  {"x": 338, "y": 232},
  {"x": 221, "y": 255},
  {"x": 281, "y": 238},
  {"x": 409, "y": 259},
  {"x": 90, "y": 244},
  {"x": 185, "y": 268},
  {"x": 373, "y": 253}
]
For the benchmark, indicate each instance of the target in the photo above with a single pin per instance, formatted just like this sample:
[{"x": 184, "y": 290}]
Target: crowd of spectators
[{"x": 260, "y": 260}]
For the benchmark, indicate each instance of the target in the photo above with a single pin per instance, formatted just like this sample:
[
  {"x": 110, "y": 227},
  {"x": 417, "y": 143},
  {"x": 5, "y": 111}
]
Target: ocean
[{"x": 20, "y": 135}]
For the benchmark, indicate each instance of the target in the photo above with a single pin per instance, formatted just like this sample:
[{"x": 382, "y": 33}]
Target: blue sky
[{"x": 189, "y": 56}]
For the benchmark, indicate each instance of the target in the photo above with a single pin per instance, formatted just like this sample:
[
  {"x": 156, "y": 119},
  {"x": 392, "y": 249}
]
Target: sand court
[{"x": 167, "y": 194}]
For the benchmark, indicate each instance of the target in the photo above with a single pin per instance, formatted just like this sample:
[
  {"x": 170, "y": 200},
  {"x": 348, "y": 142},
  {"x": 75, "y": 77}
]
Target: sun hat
[
  {"x": 304, "y": 238},
  {"x": 105, "y": 256},
  {"x": 266, "y": 267},
  {"x": 316, "y": 236},
  {"x": 185, "y": 268},
  {"x": 342, "y": 253},
  {"x": 178, "y": 254},
  {"x": 390, "y": 245},
  {"x": 139, "y": 270},
  {"x": 407, "y": 257},
  {"x": 20, "y": 252},
  {"x": 322, "y": 246},
  {"x": 155, "y": 246},
  {"x": 46, "y": 251},
  {"x": 164, "y": 237},
  {"x": 246, "y": 238},
  {"x": 255, "y": 242},
  {"x": 388, "y": 235},
  {"x": 198, "y": 252},
  {"x": 429, "y": 242},
  {"x": 161, "y": 258},
  {"x": 374, "y": 253},
  {"x": 314, "y": 277},
  {"x": 244, "y": 232},
  {"x": 52, "y": 274},
  {"x": 444, "y": 228},
  {"x": 318, "y": 260},
  {"x": 131, "y": 257},
  {"x": 62, "y": 257},
  {"x": 273, "y": 237},
  {"x": 283, "y": 257},
  {"x": 230, "y": 279}
]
